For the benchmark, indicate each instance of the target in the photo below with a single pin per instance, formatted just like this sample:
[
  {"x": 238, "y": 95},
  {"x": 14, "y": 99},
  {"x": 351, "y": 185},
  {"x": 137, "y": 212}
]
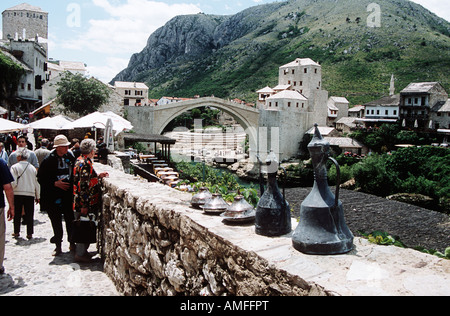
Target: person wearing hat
[{"x": 55, "y": 176}]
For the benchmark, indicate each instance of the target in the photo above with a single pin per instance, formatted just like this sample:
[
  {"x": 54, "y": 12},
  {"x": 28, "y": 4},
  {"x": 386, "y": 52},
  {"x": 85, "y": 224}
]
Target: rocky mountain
[{"x": 234, "y": 56}]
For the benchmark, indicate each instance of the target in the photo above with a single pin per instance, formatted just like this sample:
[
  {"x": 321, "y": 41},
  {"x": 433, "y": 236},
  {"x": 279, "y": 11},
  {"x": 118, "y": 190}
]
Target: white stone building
[
  {"x": 290, "y": 109},
  {"x": 386, "y": 109},
  {"x": 337, "y": 109},
  {"x": 132, "y": 93}
]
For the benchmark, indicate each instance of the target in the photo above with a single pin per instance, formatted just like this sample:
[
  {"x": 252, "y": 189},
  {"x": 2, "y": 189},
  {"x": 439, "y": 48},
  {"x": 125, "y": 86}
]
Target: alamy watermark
[
  {"x": 74, "y": 16},
  {"x": 374, "y": 18}
]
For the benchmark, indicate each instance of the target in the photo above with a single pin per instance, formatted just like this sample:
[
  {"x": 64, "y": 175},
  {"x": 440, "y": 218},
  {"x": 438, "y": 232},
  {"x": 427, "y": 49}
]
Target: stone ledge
[{"x": 188, "y": 252}]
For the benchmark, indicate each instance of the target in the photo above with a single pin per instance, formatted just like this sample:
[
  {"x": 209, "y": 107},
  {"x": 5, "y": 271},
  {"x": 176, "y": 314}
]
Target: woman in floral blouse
[{"x": 87, "y": 191}]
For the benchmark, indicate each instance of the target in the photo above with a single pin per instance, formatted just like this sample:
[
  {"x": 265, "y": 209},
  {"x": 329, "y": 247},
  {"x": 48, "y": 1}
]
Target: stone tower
[
  {"x": 303, "y": 75},
  {"x": 291, "y": 108},
  {"x": 25, "y": 22}
]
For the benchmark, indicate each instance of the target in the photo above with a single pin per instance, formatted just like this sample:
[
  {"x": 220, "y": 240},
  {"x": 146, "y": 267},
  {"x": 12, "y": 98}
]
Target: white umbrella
[
  {"x": 10, "y": 126},
  {"x": 53, "y": 123},
  {"x": 99, "y": 120}
]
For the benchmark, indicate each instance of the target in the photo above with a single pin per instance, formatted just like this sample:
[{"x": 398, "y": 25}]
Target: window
[
  {"x": 289, "y": 104},
  {"x": 315, "y": 70},
  {"x": 301, "y": 83},
  {"x": 305, "y": 70},
  {"x": 395, "y": 112},
  {"x": 293, "y": 71}
]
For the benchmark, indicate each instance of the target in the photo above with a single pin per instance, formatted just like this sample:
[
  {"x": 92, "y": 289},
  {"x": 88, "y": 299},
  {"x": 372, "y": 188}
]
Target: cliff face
[
  {"x": 191, "y": 37},
  {"x": 233, "y": 56}
]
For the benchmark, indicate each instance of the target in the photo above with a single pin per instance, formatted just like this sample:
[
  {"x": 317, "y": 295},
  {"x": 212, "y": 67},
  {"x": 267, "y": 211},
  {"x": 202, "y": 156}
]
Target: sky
[{"x": 104, "y": 34}]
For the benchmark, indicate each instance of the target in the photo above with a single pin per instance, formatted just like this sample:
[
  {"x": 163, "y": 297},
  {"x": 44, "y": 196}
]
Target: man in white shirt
[{"x": 22, "y": 142}]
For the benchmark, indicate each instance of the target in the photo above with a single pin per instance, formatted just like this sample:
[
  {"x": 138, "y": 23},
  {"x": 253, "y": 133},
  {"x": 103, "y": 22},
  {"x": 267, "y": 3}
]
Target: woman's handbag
[{"x": 85, "y": 230}]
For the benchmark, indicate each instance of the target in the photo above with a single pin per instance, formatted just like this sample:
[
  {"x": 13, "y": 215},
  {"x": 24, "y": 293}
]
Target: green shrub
[{"x": 373, "y": 178}]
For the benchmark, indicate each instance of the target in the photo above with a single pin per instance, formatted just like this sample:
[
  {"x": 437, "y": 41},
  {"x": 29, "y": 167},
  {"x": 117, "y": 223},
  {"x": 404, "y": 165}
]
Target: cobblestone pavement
[{"x": 31, "y": 270}]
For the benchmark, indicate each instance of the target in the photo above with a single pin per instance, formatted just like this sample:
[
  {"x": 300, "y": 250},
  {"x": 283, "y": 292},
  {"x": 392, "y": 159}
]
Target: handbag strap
[{"x": 18, "y": 178}]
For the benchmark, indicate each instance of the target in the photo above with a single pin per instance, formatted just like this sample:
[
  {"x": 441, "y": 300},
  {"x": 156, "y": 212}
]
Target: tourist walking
[
  {"x": 43, "y": 151},
  {"x": 22, "y": 143},
  {"x": 76, "y": 148},
  {"x": 5, "y": 186},
  {"x": 87, "y": 192},
  {"x": 26, "y": 189},
  {"x": 3, "y": 153},
  {"x": 56, "y": 179}
]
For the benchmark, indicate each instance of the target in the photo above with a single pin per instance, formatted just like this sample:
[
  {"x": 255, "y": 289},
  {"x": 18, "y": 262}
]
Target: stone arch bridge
[{"x": 153, "y": 120}]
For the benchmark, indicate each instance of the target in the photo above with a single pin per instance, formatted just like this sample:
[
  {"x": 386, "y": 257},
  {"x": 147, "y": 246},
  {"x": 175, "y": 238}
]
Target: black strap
[{"x": 22, "y": 173}]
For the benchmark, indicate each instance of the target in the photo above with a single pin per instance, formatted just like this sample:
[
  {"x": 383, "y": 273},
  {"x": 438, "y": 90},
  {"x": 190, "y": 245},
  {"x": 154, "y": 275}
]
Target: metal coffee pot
[
  {"x": 273, "y": 213},
  {"x": 322, "y": 229}
]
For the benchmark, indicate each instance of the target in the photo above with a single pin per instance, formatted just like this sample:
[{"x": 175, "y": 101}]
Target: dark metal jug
[
  {"x": 273, "y": 213},
  {"x": 322, "y": 229}
]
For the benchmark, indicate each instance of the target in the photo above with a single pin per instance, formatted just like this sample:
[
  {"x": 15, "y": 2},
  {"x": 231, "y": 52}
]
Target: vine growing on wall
[{"x": 11, "y": 73}]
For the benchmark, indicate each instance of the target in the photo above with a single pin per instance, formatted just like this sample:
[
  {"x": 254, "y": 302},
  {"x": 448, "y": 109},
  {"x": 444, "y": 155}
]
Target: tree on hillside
[{"x": 80, "y": 94}]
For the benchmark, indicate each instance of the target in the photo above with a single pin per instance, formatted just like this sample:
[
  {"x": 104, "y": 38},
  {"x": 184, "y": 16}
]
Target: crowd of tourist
[{"x": 60, "y": 177}]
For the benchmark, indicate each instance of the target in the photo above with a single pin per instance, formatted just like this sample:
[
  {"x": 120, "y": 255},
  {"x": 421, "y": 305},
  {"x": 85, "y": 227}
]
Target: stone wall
[{"x": 155, "y": 244}]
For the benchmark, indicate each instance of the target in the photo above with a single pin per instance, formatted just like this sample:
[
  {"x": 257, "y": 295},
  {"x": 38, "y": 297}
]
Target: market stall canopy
[
  {"x": 53, "y": 123},
  {"x": 99, "y": 120},
  {"x": 10, "y": 126}
]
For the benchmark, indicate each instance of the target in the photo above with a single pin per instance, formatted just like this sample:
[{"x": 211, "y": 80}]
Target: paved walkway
[{"x": 32, "y": 271}]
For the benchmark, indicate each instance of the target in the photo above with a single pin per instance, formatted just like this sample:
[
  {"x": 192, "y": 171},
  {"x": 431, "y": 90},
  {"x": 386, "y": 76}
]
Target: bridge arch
[{"x": 247, "y": 117}]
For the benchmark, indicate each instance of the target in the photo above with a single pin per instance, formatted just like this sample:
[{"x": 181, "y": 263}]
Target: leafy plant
[
  {"x": 383, "y": 238},
  {"x": 216, "y": 181},
  {"x": 11, "y": 74},
  {"x": 80, "y": 94}
]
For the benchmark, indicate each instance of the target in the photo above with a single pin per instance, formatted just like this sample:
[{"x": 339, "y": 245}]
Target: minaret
[{"x": 392, "y": 88}]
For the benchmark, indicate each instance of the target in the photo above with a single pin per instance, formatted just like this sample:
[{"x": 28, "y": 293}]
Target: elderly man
[
  {"x": 43, "y": 151},
  {"x": 56, "y": 179},
  {"x": 22, "y": 142},
  {"x": 5, "y": 185}
]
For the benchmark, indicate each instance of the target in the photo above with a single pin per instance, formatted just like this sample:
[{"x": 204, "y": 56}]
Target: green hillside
[{"x": 357, "y": 60}]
